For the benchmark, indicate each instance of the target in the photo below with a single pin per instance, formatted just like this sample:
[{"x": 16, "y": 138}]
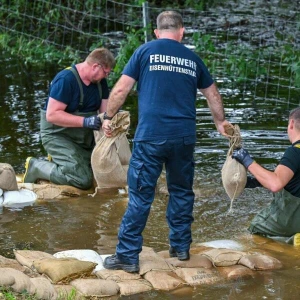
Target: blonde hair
[{"x": 101, "y": 56}]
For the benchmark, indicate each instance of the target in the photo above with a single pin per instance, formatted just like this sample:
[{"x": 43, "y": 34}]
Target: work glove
[
  {"x": 252, "y": 183},
  {"x": 243, "y": 157},
  {"x": 92, "y": 122}
]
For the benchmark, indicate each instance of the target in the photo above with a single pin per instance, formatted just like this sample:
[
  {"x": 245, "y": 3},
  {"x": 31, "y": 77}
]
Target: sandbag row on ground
[{"x": 48, "y": 277}]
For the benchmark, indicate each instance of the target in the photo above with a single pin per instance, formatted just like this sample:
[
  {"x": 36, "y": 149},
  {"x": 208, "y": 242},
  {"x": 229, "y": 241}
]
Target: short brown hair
[
  {"x": 169, "y": 20},
  {"x": 103, "y": 57}
]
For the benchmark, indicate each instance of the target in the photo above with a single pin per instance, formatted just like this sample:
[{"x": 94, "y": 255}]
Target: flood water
[{"x": 92, "y": 223}]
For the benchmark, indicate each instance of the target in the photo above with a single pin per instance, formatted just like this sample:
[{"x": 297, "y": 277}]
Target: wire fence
[{"x": 254, "y": 53}]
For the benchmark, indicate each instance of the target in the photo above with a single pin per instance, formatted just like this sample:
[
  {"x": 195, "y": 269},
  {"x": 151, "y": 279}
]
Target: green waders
[
  {"x": 280, "y": 218},
  {"x": 70, "y": 148}
]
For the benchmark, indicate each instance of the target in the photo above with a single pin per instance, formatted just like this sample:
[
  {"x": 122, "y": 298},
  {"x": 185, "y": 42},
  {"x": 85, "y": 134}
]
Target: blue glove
[
  {"x": 243, "y": 157},
  {"x": 92, "y": 122}
]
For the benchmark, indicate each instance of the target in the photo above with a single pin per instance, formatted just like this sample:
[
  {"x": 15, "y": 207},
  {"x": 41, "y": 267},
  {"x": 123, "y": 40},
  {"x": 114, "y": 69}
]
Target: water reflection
[{"x": 93, "y": 223}]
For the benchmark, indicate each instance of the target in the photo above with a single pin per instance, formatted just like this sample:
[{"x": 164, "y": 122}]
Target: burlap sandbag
[
  {"x": 53, "y": 191},
  {"x": 42, "y": 288},
  {"x": 131, "y": 287},
  {"x": 8, "y": 180},
  {"x": 10, "y": 263},
  {"x": 151, "y": 261},
  {"x": 67, "y": 291},
  {"x": 110, "y": 157},
  {"x": 14, "y": 279},
  {"x": 27, "y": 257},
  {"x": 236, "y": 272},
  {"x": 198, "y": 276},
  {"x": 260, "y": 262},
  {"x": 116, "y": 275},
  {"x": 64, "y": 270},
  {"x": 224, "y": 257},
  {"x": 234, "y": 174},
  {"x": 96, "y": 287},
  {"x": 195, "y": 261},
  {"x": 165, "y": 281}
]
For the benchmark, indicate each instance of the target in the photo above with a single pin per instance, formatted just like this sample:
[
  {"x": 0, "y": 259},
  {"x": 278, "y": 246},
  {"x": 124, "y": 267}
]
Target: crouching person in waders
[
  {"x": 281, "y": 219},
  {"x": 76, "y": 96}
]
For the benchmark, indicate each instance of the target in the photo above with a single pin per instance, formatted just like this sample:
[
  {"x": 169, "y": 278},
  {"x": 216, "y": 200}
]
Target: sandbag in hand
[
  {"x": 92, "y": 122},
  {"x": 243, "y": 157}
]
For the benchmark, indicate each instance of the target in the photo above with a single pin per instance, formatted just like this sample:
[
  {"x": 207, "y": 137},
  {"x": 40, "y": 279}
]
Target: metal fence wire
[{"x": 254, "y": 54}]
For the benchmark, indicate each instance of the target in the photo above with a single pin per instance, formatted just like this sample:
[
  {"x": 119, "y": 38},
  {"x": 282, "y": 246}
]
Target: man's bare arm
[
  {"x": 215, "y": 104},
  {"x": 273, "y": 181},
  {"x": 118, "y": 94}
]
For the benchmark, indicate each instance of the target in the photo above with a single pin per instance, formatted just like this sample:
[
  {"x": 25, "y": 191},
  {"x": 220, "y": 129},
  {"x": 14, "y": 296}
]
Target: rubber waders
[{"x": 37, "y": 169}]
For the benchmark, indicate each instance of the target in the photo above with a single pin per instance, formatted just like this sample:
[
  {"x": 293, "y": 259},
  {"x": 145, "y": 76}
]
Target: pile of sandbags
[{"x": 81, "y": 272}]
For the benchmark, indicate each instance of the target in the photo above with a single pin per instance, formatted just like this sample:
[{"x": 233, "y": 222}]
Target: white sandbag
[
  {"x": 19, "y": 198},
  {"x": 83, "y": 254},
  {"x": 1, "y": 192},
  {"x": 226, "y": 244}
]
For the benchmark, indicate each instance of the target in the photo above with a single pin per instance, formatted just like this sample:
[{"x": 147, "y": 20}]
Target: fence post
[{"x": 146, "y": 20}]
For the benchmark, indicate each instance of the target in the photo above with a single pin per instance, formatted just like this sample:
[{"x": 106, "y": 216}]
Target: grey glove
[
  {"x": 243, "y": 157},
  {"x": 92, "y": 122}
]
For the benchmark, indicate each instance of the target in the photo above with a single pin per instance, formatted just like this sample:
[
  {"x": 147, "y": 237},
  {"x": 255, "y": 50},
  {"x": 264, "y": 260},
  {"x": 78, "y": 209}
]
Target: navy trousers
[{"x": 144, "y": 170}]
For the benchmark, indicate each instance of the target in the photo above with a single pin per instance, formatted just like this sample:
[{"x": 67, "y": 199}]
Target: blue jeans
[{"x": 144, "y": 170}]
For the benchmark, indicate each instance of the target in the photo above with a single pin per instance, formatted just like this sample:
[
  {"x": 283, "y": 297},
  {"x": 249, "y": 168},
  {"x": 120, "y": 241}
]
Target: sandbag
[
  {"x": 84, "y": 255},
  {"x": 45, "y": 190},
  {"x": 224, "y": 257},
  {"x": 96, "y": 287},
  {"x": 236, "y": 272},
  {"x": 260, "y": 262},
  {"x": 14, "y": 279},
  {"x": 10, "y": 263},
  {"x": 131, "y": 287},
  {"x": 8, "y": 180},
  {"x": 234, "y": 174},
  {"x": 110, "y": 157},
  {"x": 151, "y": 261},
  {"x": 42, "y": 288},
  {"x": 64, "y": 270},
  {"x": 19, "y": 198},
  {"x": 198, "y": 276},
  {"x": 195, "y": 261},
  {"x": 27, "y": 257},
  {"x": 116, "y": 275},
  {"x": 165, "y": 281},
  {"x": 67, "y": 291}
]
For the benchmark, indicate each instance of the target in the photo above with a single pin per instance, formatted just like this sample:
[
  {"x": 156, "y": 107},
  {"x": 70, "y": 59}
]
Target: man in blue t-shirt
[
  {"x": 168, "y": 76},
  {"x": 280, "y": 220},
  {"x": 76, "y": 96}
]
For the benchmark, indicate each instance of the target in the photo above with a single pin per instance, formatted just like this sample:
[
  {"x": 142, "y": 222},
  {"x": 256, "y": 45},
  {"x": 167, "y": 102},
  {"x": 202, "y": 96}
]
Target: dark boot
[
  {"x": 114, "y": 263},
  {"x": 183, "y": 255},
  {"x": 37, "y": 169}
]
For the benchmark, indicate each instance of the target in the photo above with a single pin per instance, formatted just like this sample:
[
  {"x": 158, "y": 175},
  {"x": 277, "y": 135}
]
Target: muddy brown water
[{"x": 92, "y": 223}]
